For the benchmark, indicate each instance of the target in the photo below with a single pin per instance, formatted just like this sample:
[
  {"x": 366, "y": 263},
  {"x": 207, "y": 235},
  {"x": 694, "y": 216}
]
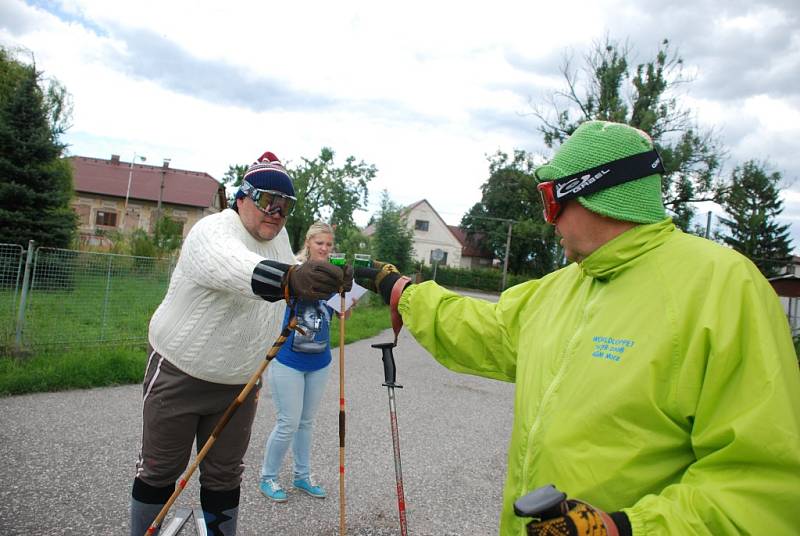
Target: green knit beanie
[{"x": 594, "y": 143}]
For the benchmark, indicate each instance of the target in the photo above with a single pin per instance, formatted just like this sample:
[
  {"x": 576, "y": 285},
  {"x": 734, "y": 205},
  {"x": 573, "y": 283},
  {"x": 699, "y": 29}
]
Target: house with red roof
[
  {"x": 431, "y": 233},
  {"x": 112, "y": 195}
]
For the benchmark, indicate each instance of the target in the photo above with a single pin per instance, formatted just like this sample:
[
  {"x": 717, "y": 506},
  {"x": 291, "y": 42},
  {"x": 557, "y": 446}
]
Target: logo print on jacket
[{"x": 610, "y": 348}]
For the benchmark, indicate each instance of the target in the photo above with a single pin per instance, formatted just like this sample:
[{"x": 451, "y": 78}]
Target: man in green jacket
[{"x": 656, "y": 380}]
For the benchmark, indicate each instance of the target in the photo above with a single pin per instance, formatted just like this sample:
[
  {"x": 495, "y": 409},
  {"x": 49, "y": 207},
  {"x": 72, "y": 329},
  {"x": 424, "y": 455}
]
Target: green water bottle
[
  {"x": 338, "y": 259},
  {"x": 362, "y": 260}
]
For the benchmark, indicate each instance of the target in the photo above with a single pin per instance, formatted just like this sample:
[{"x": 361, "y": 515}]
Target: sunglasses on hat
[
  {"x": 269, "y": 201},
  {"x": 557, "y": 192}
]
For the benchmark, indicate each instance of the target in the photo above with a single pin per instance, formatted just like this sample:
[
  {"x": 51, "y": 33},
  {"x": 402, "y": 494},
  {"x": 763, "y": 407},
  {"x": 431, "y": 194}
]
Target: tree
[
  {"x": 393, "y": 241},
  {"x": 233, "y": 178},
  {"x": 35, "y": 182},
  {"x": 753, "y": 204},
  {"x": 351, "y": 241},
  {"x": 167, "y": 235},
  {"x": 325, "y": 191},
  {"x": 643, "y": 97},
  {"x": 510, "y": 194}
]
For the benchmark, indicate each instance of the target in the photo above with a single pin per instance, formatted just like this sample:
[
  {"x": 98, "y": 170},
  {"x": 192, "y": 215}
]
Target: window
[
  {"x": 104, "y": 217},
  {"x": 441, "y": 262},
  {"x": 421, "y": 225}
]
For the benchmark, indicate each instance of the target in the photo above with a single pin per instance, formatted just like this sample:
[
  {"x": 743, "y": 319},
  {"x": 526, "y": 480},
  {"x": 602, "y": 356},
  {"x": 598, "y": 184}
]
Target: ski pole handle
[
  {"x": 389, "y": 371},
  {"x": 546, "y": 502}
]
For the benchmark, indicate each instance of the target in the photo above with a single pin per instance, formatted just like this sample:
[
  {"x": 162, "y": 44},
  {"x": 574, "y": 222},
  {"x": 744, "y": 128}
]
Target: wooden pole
[
  {"x": 342, "y": 522},
  {"x": 221, "y": 425}
]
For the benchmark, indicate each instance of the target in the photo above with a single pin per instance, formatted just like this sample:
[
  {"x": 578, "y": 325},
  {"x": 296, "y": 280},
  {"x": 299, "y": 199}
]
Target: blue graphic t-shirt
[{"x": 311, "y": 351}]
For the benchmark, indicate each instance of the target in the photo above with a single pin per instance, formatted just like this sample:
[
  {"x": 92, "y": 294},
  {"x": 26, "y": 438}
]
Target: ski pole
[
  {"x": 389, "y": 373},
  {"x": 238, "y": 401},
  {"x": 342, "y": 524},
  {"x": 340, "y": 259}
]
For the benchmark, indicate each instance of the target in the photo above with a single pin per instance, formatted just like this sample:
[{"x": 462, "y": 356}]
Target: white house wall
[{"x": 438, "y": 236}]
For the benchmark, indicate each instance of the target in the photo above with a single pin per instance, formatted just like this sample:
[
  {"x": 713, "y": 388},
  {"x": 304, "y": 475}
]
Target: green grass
[
  {"x": 97, "y": 309},
  {"x": 58, "y": 370},
  {"x": 367, "y": 319},
  {"x": 52, "y": 368}
]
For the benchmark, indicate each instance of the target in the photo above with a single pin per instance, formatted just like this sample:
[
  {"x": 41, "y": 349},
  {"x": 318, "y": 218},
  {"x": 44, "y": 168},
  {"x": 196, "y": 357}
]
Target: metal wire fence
[
  {"x": 11, "y": 265},
  {"x": 65, "y": 297}
]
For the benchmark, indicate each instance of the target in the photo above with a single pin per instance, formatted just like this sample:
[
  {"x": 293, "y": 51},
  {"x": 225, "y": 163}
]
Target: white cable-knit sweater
[{"x": 210, "y": 324}]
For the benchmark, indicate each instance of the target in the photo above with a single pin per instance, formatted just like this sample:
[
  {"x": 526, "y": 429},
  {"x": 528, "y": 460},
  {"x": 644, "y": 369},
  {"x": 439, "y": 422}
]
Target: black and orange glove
[
  {"x": 554, "y": 515},
  {"x": 380, "y": 279},
  {"x": 386, "y": 280},
  {"x": 581, "y": 519}
]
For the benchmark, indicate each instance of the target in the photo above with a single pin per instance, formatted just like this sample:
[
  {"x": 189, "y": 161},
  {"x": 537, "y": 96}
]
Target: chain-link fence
[
  {"x": 66, "y": 297},
  {"x": 11, "y": 264}
]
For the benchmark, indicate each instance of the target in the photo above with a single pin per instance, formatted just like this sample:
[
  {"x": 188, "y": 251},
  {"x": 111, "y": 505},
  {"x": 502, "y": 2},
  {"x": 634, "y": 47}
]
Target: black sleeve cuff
[
  {"x": 622, "y": 522},
  {"x": 388, "y": 284},
  {"x": 267, "y": 280}
]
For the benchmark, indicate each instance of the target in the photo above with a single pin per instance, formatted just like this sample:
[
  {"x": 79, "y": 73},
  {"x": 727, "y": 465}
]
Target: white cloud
[{"x": 423, "y": 90}]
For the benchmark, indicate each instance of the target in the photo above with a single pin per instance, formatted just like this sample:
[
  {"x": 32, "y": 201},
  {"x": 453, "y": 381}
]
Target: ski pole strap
[{"x": 397, "y": 291}]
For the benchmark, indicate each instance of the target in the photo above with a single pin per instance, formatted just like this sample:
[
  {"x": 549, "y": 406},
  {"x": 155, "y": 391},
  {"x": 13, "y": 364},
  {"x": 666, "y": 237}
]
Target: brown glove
[
  {"x": 347, "y": 274},
  {"x": 316, "y": 280}
]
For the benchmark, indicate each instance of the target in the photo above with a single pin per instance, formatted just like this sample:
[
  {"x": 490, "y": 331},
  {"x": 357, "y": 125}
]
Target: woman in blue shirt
[{"x": 297, "y": 378}]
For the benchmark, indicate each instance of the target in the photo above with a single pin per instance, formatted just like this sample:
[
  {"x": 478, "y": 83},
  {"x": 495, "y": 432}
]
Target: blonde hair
[{"x": 317, "y": 228}]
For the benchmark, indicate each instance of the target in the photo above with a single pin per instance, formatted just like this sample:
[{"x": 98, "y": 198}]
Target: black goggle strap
[{"x": 607, "y": 175}]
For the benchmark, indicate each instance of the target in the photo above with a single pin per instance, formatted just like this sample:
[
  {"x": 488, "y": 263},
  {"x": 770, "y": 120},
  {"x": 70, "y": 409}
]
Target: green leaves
[
  {"x": 329, "y": 192},
  {"x": 608, "y": 89},
  {"x": 393, "y": 241},
  {"x": 510, "y": 194},
  {"x": 753, "y": 203},
  {"x": 35, "y": 183}
]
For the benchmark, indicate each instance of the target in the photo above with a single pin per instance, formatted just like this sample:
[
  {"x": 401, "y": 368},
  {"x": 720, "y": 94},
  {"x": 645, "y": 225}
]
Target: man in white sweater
[{"x": 223, "y": 310}]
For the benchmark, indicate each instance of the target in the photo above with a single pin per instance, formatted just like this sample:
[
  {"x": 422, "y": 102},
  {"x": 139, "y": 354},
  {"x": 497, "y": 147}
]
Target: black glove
[
  {"x": 316, "y": 280},
  {"x": 379, "y": 279}
]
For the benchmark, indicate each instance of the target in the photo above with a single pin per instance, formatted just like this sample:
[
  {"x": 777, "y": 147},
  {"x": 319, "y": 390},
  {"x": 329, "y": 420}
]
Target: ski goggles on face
[
  {"x": 557, "y": 192},
  {"x": 269, "y": 201}
]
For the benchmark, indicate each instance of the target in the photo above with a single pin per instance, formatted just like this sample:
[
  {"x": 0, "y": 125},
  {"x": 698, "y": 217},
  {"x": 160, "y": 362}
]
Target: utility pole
[
  {"x": 128, "y": 191},
  {"x": 508, "y": 244},
  {"x": 164, "y": 168}
]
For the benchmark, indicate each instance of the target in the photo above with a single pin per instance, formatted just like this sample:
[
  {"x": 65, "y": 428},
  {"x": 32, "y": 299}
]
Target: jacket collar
[{"x": 616, "y": 255}]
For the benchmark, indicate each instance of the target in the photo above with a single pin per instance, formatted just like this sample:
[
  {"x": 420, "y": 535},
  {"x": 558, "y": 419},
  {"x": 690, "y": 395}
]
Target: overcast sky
[{"x": 422, "y": 90}]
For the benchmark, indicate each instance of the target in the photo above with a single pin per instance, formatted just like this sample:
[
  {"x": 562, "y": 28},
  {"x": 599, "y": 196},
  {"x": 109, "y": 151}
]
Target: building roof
[
  {"x": 471, "y": 243},
  {"x": 787, "y": 285},
  {"x": 110, "y": 178}
]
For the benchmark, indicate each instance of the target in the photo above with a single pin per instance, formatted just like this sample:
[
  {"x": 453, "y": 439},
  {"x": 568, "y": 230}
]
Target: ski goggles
[
  {"x": 269, "y": 201},
  {"x": 557, "y": 192}
]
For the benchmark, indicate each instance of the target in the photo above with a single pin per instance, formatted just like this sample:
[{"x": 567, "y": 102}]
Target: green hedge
[{"x": 486, "y": 279}]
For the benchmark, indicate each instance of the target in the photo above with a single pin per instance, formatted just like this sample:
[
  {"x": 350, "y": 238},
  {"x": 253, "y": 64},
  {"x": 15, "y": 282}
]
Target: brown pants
[{"x": 176, "y": 410}]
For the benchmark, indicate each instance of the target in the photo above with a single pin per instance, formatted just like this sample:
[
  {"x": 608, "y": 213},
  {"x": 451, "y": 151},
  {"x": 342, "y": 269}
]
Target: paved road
[{"x": 67, "y": 458}]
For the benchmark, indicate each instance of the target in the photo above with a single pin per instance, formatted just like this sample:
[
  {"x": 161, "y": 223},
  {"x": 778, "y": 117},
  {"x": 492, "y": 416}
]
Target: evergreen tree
[
  {"x": 642, "y": 97},
  {"x": 393, "y": 240},
  {"x": 753, "y": 204},
  {"x": 35, "y": 182},
  {"x": 510, "y": 194}
]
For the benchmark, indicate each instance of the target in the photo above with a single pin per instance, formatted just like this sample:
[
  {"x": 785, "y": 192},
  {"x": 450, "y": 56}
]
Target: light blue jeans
[{"x": 296, "y": 395}]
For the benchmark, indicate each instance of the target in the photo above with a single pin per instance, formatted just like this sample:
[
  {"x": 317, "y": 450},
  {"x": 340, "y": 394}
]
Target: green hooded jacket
[{"x": 656, "y": 377}]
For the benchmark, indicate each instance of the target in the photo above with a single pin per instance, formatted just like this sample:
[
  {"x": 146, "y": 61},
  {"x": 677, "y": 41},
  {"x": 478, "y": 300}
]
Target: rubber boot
[
  {"x": 220, "y": 510},
  {"x": 146, "y": 502}
]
